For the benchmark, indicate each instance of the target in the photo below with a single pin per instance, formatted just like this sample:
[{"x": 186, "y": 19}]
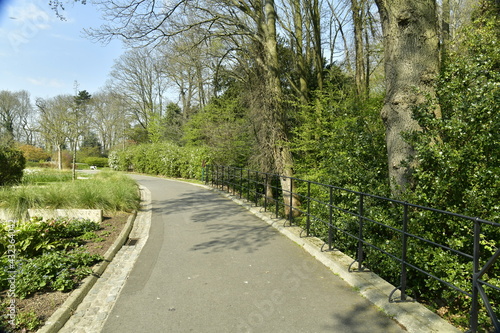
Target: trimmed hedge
[
  {"x": 100, "y": 162},
  {"x": 164, "y": 158}
]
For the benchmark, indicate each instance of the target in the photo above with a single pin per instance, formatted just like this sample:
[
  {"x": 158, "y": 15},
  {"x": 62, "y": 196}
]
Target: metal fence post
[
  {"x": 330, "y": 225},
  {"x": 404, "y": 252},
  {"x": 248, "y": 184},
  {"x": 256, "y": 194},
  {"x": 233, "y": 183},
  {"x": 360, "y": 232},
  {"x": 217, "y": 176},
  {"x": 291, "y": 202},
  {"x": 266, "y": 184},
  {"x": 241, "y": 181},
  {"x": 277, "y": 203},
  {"x": 222, "y": 179},
  {"x": 229, "y": 179},
  {"x": 475, "y": 272},
  {"x": 308, "y": 222}
]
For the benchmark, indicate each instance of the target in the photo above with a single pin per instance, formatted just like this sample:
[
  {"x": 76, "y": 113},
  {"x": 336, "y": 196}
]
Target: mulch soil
[{"x": 44, "y": 304}]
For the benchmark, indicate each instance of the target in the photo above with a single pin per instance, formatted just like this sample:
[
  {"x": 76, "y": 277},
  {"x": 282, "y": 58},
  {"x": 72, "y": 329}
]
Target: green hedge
[
  {"x": 165, "y": 158},
  {"x": 100, "y": 162}
]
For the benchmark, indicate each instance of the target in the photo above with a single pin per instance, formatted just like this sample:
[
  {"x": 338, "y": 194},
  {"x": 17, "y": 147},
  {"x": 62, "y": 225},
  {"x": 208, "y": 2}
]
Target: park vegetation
[
  {"x": 43, "y": 256},
  {"x": 396, "y": 98},
  {"x": 107, "y": 191}
]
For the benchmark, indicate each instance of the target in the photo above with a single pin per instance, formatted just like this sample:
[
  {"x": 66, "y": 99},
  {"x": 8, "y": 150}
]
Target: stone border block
[
  {"x": 5, "y": 215},
  {"x": 94, "y": 215}
]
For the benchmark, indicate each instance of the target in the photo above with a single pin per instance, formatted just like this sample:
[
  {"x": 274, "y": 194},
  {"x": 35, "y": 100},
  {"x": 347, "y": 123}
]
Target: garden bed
[{"x": 34, "y": 310}]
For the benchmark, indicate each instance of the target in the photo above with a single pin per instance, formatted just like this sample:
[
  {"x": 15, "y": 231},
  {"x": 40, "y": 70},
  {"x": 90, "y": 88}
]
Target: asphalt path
[{"x": 209, "y": 265}]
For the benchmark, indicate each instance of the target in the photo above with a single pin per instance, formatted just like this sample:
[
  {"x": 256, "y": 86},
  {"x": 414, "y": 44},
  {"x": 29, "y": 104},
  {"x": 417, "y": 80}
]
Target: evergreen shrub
[
  {"x": 12, "y": 163},
  {"x": 163, "y": 158},
  {"x": 100, "y": 162},
  {"x": 458, "y": 159}
]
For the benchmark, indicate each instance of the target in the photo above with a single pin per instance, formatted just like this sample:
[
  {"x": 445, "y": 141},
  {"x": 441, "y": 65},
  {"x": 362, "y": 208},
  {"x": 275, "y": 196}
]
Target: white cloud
[
  {"x": 26, "y": 20},
  {"x": 30, "y": 16},
  {"x": 45, "y": 82}
]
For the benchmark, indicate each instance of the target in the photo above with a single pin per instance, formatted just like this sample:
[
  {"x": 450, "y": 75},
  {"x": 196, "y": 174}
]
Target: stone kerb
[
  {"x": 94, "y": 215},
  {"x": 5, "y": 215}
]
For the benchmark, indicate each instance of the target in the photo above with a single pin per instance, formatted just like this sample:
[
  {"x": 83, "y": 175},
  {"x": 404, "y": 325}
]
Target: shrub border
[{"x": 66, "y": 310}]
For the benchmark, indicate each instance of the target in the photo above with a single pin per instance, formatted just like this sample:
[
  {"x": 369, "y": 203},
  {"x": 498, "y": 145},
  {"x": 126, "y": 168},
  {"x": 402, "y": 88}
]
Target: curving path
[{"x": 209, "y": 265}]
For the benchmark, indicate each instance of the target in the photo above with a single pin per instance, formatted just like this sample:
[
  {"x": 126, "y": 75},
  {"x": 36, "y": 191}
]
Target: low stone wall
[
  {"x": 89, "y": 214},
  {"x": 94, "y": 215},
  {"x": 5, "y": 215}
]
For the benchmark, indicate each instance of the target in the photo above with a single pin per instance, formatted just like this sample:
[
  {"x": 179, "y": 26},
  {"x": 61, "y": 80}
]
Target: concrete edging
[
  {"x": 94, "y": 215},
  {"x": 64, "y": 312},
  {"x": 414, "y": 317}
]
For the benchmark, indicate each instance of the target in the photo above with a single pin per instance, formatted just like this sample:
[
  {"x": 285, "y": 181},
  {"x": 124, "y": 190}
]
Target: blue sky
[{"x": 45, "y": 56}]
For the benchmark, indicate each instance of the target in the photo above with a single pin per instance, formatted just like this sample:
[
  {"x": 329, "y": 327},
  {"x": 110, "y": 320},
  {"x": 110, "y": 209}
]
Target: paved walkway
[{"x": 211, "y": 266}]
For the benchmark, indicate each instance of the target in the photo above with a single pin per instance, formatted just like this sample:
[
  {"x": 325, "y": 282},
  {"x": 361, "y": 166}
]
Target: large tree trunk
[
  {"x": 277, "y": 136},
  {"x": 411, "y": 47}
]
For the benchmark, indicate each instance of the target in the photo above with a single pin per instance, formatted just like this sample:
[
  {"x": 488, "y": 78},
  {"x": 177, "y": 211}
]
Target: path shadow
[
  {"x": 228, "y": 225},
  {"x": 363, "y": 318},
  {"x": 237, "y": 237}
]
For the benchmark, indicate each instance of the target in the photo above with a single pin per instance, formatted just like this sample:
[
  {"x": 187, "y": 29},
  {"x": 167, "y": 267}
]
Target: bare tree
[
  {"x": 16, "y": 113},
  {"x": 339, "y": 22},
  {"x": 187, "y": 63},
  {"x": 52, "y": 123},
  {"x": 453, "y": 15},
  {"x": 358, "y": 9},
  {"x": 25, "y": 131},
  {"x": 9, "y": 115},
  {"x": 109, "y": 118},
  {"x": 253, "y": 21},
  {"x": 138, "y": 76},
  {"x": 302, "y": 22}
]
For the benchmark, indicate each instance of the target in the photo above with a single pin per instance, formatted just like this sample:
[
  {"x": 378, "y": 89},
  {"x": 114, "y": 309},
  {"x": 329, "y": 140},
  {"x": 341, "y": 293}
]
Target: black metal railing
[{"x": 370, "y": 227}]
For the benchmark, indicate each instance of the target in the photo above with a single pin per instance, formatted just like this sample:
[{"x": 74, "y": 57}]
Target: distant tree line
[{"x": 294, "y": 87}]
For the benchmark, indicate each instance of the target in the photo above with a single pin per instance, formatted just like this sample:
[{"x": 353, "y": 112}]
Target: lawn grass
[
  {"x": 38, "y": 176},
  {"x": 109, "y": 191}
]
